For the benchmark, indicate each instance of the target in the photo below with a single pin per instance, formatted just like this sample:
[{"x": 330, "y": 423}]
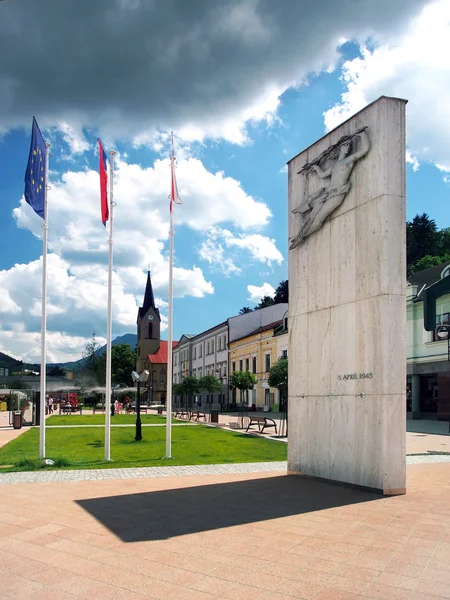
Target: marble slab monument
[{"x": 347, "y": 311}]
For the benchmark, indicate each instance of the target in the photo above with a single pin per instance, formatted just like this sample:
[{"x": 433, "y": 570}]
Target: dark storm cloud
[{"x": 127, "y": 65}]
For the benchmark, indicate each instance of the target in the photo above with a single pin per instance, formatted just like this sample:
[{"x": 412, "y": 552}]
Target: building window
[
  {"x": 443, "y": 319},
  {"x": 224, "y": 372},
  {"x": 224, "y": 341},
  {"x": 195, "y": 352},
  {"x": 233, "y": 366},
  {"x": 150, "y": 331},
  {"x": 200, "y": 372},
  {"x": 207, "y": 348},
  {"x": 200, "y": 351},
  {"x": 267, "y": 362},
  {"x": 254, "y": 365},
  {"x": 212, "y": 346},
  {"x": 219, "y": 343},
  {"x": 241, "y": 365},
  {"x": 247, "y": 364},
  {"x": 284, "y": 354}
]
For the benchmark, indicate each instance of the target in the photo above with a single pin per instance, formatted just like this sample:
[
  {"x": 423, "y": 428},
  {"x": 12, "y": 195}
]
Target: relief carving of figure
[{"x": 319, "y": 205}]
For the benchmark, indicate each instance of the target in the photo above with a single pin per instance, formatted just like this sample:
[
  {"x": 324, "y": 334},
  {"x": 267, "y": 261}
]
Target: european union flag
[{"x": 35, "y": 176}]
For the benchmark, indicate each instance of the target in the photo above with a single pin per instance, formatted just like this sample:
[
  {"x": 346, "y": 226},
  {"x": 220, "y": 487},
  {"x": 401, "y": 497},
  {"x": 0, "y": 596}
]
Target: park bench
[
  {"x": 261, "y": 422},
  {"x": 181, "y": 414},
  {"x": 198, "y": 415}
]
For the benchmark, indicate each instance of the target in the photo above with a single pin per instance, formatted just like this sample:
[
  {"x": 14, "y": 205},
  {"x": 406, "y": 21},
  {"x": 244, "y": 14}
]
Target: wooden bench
[
  {"x": 181, "y": 414},
  {"x": 261, "y": 422},
  {"x": 198, "y": 414}
]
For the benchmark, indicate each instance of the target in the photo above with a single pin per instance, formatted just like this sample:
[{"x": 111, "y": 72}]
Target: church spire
[{"x": 149, "y": 300}]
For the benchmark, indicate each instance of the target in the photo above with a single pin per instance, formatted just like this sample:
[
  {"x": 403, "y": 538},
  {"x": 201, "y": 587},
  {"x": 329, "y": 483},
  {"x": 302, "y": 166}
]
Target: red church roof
[{"x": 160, "y": 357}]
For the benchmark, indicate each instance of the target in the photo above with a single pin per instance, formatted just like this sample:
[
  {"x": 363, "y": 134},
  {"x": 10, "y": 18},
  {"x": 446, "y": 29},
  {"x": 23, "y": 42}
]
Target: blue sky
[{"x": 231, "y": 231}]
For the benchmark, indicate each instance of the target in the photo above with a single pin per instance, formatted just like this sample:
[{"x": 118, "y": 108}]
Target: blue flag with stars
[{"x": 35, "y": 176}]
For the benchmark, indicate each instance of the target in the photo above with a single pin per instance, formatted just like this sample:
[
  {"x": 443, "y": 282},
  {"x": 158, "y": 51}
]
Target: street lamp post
[
  {"x": 139, "y": 378},
  {"x": 443, "y": 333}
]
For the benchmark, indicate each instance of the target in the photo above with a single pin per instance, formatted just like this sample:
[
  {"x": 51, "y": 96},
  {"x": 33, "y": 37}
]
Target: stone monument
[{"x": 347, "y": 307}]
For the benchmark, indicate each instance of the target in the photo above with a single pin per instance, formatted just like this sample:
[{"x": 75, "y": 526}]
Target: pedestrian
[{"x": 50, "y": 405}]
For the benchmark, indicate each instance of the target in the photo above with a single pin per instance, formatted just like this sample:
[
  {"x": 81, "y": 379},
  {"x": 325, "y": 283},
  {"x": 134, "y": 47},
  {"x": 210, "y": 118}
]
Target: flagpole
[
  {"x": 170, "y": 320},
  {"x": 109, "y": 322},
  {"x": 43, "y": 387}
]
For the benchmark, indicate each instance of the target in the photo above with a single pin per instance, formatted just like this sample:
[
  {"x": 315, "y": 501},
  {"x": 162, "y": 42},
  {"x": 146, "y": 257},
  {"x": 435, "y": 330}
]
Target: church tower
[{"x": 148, "y": 327}]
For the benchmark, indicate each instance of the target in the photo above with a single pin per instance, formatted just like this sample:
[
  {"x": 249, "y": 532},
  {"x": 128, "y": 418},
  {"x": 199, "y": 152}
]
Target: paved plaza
[{"x": 231, "y": 535}]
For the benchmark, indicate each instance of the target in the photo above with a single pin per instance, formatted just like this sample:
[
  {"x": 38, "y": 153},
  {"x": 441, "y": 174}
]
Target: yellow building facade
[{"x": 256, "y": 352}]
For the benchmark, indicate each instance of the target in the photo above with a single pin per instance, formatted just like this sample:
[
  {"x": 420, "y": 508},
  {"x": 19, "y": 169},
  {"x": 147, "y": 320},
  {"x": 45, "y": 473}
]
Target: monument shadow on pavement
[{"x": 161, "y": 515}]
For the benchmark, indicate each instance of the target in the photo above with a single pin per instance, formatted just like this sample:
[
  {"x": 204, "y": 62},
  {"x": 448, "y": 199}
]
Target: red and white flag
[{"x": 174, "y": 197}]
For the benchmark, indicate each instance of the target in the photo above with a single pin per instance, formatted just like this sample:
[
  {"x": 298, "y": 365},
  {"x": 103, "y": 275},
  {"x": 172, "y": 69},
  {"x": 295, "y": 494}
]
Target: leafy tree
[
  {"x": 242, "y": 380},
  {"x": 428, "y": 261},
  {"x": 278, "y": 378},
  {"x": 178, "y": 389},
  {"x": 422, "y": 239},
  {"x": 245, "y": 309},
  {"x": 123, "y": 362},
  {"x": 90, "y": 368},
  {"x": 190, "y": 387},
  {"x": 278, "y": 374},
  {"x": 16, "y": 384},
  {"x": 56, "y": 371},
  {"x": 445, "y": 241},
  {"x": 282, "y": 292},
  {"x": 266, "y": 301},
  {"x": 210, "y": 384}
]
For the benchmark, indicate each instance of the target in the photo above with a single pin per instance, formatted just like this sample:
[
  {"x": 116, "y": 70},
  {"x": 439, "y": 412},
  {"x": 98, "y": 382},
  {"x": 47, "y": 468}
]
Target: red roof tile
[{"x": 160, "y": 357}]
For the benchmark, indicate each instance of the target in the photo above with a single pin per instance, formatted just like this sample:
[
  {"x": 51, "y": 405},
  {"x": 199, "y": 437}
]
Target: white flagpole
[
  {"x": 169, "y": 335},
  {"x": 43, "y": 387},
  {"x": 109, "y": 322}
]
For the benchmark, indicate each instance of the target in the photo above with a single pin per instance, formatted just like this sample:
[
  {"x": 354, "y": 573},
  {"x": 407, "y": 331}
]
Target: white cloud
[
  {"x": 415, "y": 66},
  {"x": 226, "y": 251},
  {"x": 261, "y": 248},
  {"x": 77, "y": 265},
  {"x": 258, "y": 292},
  {"x": 214, "y": 253}
]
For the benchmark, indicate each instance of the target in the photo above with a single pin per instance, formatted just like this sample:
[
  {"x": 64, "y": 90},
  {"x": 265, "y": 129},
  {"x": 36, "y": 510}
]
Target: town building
[
  {"x": 152, "y": 352},
  {"x": 204, "y": 354},
  {"x": 428, "y": 355},
  {"x": 256, "y": 352}
]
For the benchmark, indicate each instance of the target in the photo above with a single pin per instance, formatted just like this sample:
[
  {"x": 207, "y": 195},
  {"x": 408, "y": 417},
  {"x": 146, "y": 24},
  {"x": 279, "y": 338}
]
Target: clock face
[{"x": 150, "y": 317}]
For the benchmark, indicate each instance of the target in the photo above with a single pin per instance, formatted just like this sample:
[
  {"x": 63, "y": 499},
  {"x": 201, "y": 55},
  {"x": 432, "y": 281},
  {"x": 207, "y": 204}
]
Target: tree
[
  {"x": 210, "y": 384},
  {"x": 422, "y": 239},
  {"x": 245, "y": 309},
  {"x": 56, "y": 371},
  {"x": 16, "y": 384},
  {"x": 190, "y": 387},
  {"x": 178, "y": 389},
  {"x": 266, "y": 301},
  {"x": 90, "y": 368},
  {"x": 123, "y": 362},
  {"x": 278, "y": 378},
  {"x": 242, "y": 380},
  {"x": 282, "y": 292},
  {"x": 428, "y": 261},
  {"x": 278, "y": 374}
]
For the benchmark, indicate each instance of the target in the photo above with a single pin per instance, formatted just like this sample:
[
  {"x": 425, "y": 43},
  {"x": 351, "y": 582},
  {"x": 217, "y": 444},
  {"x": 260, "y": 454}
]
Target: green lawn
[
  {"x": 83, "y": 448},
  {"x": 100, "y": 420}
]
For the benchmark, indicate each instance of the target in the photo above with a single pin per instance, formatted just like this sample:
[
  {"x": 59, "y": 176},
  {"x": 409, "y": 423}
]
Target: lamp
[
  {"x": 443, "y": 332},
  {"x": 139, "y": 378}
]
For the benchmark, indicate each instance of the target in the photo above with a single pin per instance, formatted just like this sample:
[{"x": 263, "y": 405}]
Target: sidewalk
[{"x": 265, "y": 536}]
